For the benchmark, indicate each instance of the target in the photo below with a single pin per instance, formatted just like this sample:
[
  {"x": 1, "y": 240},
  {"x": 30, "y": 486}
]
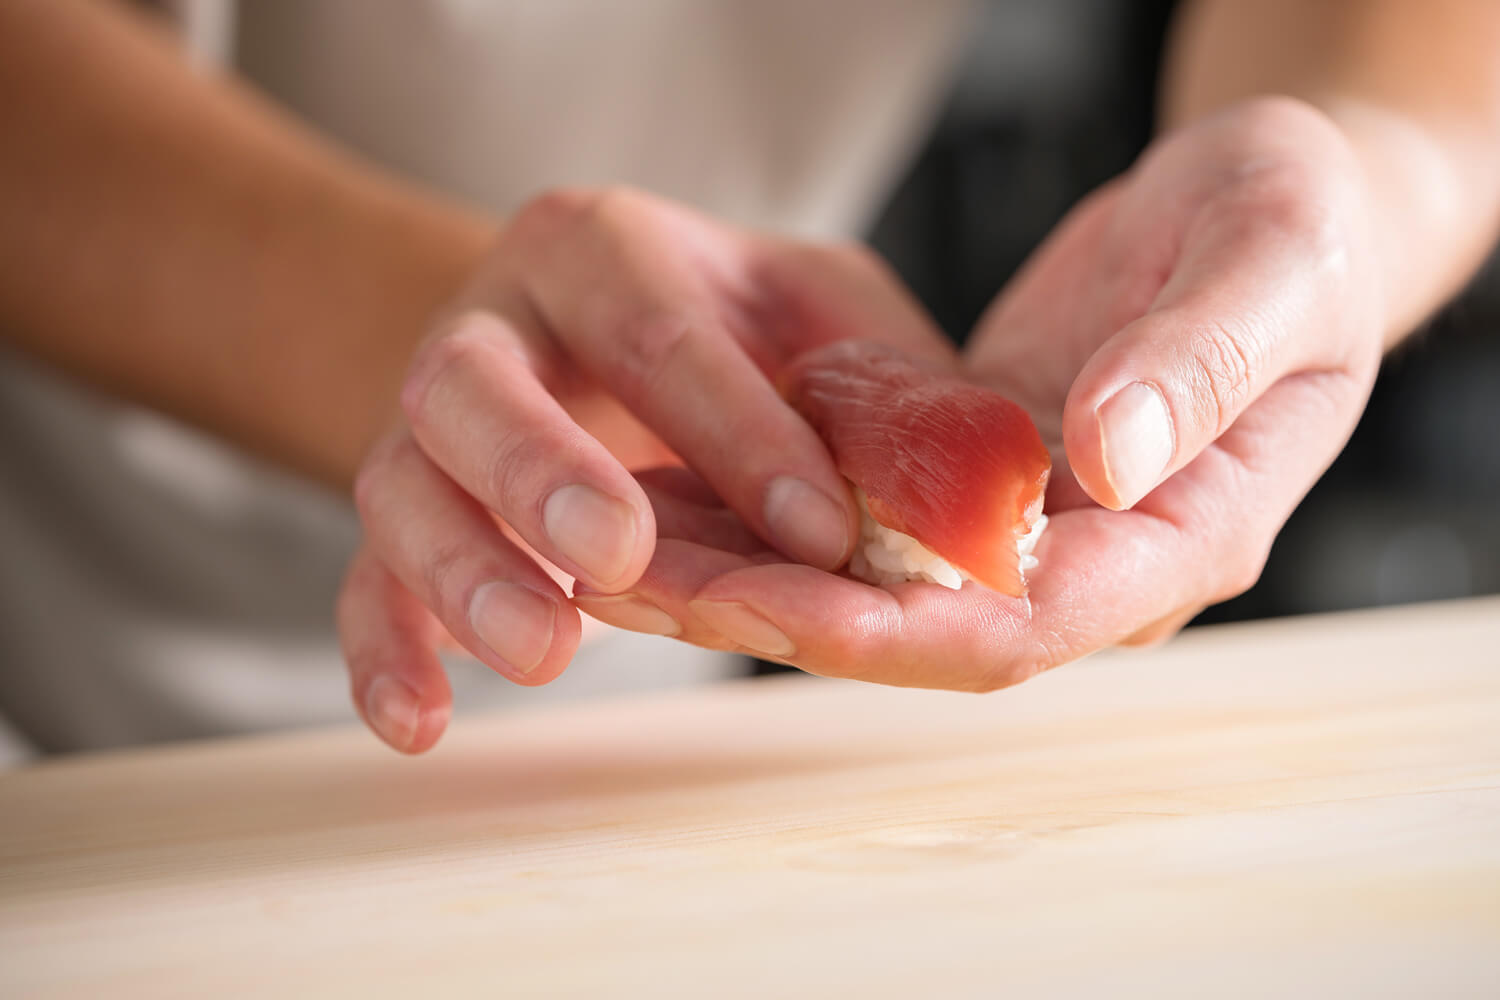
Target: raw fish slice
[{"x": 955, "y": 466}]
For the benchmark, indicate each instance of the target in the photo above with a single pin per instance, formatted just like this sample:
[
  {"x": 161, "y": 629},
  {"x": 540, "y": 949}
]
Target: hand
[
  {"x": 1196, "y": 342},
  {"x": 607, "y": 331}
]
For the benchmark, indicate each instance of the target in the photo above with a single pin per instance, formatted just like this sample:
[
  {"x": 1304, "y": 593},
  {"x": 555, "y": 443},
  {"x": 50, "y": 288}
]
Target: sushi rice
[{"x": 884, "y": 556}]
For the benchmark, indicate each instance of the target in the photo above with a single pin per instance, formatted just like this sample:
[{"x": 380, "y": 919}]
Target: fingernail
[
  {"x": 515, "y": 622},
  {"x": 806, "y": 522},
  {"x": 1136, "y": 440},
  {"x": 629, "y": 612},
  {"x": 738, "y": 623},
  {"x": 595, "y": 531},
  {"x": 392, "y": 708}
]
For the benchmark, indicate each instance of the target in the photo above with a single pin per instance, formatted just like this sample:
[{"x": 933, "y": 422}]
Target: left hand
[{"x": 1195, "y": 341}]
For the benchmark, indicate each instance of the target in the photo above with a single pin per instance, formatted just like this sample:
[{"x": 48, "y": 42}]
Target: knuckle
[
  {"x": 651, "y": 341},
  {"x": 1144, "y": 639},
  {"x": 1243, "y": 572},
  {"x": 379, "y": 465},
  {"x": 1042, "y": 653},
  {"x": 1224, "y": 365},
  {"x": 511, "y": 467},
  {"x": 1289, "y": 201},
  {"x": 553, "y": 210},
  {"x": 619, "y": 205},
  {"x": 441, "y": 568},
  {"x": 367, "y": 486},
  {"x": 1298, "y": 210},
  {"x": 1271, "y": 129},
  {"x": 614, "y": 212},
  {"x": 859, "y": 256},
  {"x": 863, "y": 649},
  {"x": 990, "y": 679},
  {"x": 1007, "y": 674},
  {"x": 367, "y": 482},
  {"x": 1157, "y": 632},
  {"x": 850, "y": 261},
  {"x": 853, "y": 653},
  {"x": 1272, "y": 112},
  {"x": 434, "y": 363}
]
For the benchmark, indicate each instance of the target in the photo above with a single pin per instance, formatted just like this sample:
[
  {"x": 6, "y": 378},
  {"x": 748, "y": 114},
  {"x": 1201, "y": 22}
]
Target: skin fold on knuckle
[
  {"x": 445, "y": 572},
  {"x": 551, "y": 213},
  {"x": 918, "y": 642},
  {"x": 861, "y": 259},
  {"x": 385, "y": 461},
  {"x": 852, "y": 652},
  {"x": 436, "y": 361},
  {"x": 1288, "y": 203},
  {"x": 367, "y": 483},
  {"x": 620, "y": 208},
  {"x": 521, "y": 468},
  {"x": 1158, "y": 631},
  {"x": 1223, "y": 360},
  {"x": 861, "y": 646},
  {"x": 1007, "y": 668},
  {"x": 654, "y": 345},
  {"x": 1312, "y": 221},
  {"x": 1000, "y": 669}
]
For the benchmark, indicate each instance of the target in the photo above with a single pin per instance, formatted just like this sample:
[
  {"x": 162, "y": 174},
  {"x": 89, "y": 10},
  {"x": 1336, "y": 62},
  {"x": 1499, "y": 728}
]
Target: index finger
[{"x": 655, "y": 304}]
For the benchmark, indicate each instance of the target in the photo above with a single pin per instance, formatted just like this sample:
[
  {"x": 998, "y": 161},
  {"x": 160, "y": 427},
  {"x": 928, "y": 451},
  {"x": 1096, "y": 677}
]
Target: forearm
[
  {"x": 1415, "y": 87},
  {"x": 173, "y": 240}
]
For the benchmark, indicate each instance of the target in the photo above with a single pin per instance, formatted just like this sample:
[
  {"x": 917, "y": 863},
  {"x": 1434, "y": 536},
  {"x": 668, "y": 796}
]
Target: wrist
[
  {"x": 1430, "y": 220},
  {"x": 422, "y": 252}
]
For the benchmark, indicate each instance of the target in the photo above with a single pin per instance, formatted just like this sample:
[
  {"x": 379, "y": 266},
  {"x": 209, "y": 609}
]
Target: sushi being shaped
[{"x": 950, "y": 476}]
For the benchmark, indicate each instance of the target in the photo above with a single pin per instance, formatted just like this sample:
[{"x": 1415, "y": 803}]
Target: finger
[
  {"x": 912, "y": 635},
  {"x": 1162, "y": 629},
  {"x": 1248, "y": 302},
  {"x": 448, "y": 551},
  {"x": 684, "y": 484},
  {"x": 658, "y": 603},
  {"x": 389, "y": 641},
  {"x": 708, "y": 524},
  {"x": 480, "y": 413},
  {"x": 698, "y": 539},
  {"x": 1205, "y": 536},
  {"x": 820, "y": 293},
  {"x": 632, "y": 290}
]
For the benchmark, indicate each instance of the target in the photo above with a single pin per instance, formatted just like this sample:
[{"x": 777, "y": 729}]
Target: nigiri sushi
[{"x": 949, "y": 475}]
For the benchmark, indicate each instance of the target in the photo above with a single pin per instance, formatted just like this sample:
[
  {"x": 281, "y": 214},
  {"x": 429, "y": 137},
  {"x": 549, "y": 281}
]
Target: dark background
[{"x": 1055, "y": 97}]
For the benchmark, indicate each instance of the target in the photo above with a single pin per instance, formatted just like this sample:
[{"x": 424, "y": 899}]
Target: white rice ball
[{"x": 884, "y": 556}]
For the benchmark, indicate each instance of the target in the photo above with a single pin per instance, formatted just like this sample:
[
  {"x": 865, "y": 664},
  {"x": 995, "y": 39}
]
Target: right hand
[{"x": 606, "y": 332}]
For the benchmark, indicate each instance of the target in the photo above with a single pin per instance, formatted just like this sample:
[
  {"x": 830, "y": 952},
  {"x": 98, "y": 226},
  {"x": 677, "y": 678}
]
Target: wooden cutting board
[{"x": 1308, "y": 808}]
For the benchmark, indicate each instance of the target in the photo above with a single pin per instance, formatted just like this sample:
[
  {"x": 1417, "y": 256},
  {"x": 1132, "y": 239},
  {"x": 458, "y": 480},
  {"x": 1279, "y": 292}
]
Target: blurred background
[{"x": 1055, "y": 96}]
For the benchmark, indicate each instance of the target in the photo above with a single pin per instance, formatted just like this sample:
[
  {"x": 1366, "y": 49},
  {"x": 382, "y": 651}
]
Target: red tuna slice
[{"x": 958, "y": 467}]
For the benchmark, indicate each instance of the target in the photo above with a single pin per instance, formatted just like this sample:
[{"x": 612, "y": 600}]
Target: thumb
[{"x": 1245, "y": 306}]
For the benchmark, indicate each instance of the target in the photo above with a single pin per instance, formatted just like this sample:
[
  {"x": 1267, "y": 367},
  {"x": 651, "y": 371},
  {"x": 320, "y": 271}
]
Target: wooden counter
[{"x": 1308, "y": 807}]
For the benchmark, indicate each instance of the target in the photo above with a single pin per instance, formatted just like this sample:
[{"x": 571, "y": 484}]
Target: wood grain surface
[{"x": 1301, "y": 808}]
